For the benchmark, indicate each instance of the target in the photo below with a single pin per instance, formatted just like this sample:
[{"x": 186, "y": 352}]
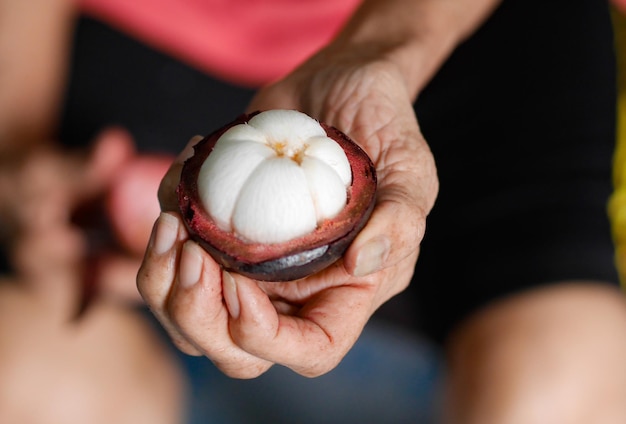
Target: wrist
[{"x": 417, "y": 36}]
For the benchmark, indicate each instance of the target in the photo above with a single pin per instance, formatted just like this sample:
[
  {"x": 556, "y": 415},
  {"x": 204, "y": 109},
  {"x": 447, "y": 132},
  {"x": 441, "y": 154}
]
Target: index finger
[
  {"x": 314, "y": 335},
  {"x": 312, "y": 341}
]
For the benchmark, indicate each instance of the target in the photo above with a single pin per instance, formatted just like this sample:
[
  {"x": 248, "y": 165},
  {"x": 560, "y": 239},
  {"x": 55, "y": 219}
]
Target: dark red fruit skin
[{"x": 291, "y": 260}]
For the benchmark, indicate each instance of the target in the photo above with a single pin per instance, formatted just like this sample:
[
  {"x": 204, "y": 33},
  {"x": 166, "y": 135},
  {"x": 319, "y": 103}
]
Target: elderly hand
[{"x": 245, "y": 326}]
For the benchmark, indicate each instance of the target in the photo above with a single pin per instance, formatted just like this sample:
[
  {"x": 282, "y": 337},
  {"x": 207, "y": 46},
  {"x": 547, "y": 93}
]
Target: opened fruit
[{"x": 276, "y": 195}]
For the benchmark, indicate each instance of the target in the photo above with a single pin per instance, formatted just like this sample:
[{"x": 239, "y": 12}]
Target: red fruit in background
[{"x": 132, "y": 205}]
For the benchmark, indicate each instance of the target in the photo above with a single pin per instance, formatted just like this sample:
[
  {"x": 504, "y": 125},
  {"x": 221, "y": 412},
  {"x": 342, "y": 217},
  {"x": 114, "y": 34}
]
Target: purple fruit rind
[{"x": 290, "y": 260}]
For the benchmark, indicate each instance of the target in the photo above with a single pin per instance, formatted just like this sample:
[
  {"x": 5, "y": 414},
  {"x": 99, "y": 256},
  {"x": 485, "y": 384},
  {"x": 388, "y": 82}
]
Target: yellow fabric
[{"x": 617, "y": 205}]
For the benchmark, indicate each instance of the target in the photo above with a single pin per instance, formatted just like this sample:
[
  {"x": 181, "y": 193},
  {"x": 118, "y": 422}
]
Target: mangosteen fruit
[{"x": 276, "y": 195}]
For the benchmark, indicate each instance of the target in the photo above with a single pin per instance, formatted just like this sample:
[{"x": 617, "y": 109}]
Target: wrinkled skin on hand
[{"x": 246, "y": 326}]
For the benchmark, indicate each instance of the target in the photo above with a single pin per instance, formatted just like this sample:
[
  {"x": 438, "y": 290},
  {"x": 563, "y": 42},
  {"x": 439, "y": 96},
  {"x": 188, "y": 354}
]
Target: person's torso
[{"x": 249, "y": 42}]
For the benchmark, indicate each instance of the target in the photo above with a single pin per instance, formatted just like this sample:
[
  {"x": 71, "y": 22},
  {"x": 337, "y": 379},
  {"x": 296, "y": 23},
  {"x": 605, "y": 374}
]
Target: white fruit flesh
[{"x": 275, "y": 178}]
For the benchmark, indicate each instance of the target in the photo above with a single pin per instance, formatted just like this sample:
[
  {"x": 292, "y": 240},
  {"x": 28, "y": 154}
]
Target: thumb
[
  {"x": 398, "y": 222},
  {"x": 383, "y": 242}
]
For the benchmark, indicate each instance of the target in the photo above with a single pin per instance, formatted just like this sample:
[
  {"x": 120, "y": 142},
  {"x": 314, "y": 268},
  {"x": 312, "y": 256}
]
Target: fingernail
[
  {"x": 229, "y": 288},
  {"x": 190, "y": 267},
  {"x": 372, "y": 256},
  {"x": 166, "y": 233}
]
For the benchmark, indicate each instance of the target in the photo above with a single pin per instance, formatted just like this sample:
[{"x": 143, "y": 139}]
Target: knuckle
[
  {"x": 142, "y": 286},
  {"x": 153, "y": 294},
  {"x": 180, "y": 312},
  {"x": 184, "y": 346}
]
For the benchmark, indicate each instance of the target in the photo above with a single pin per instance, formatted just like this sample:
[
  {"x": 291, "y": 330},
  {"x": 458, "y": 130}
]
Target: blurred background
[{"x": 391, "y": 375}]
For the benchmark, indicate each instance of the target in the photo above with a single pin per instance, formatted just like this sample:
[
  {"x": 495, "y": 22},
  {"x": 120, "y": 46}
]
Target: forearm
[
  {"x": 417, "y": 35},
  {"x": 34, "y": 41}
]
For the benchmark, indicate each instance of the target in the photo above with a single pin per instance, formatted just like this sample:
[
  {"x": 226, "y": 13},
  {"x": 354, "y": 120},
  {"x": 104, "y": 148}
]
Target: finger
[
  {"x": 197, "y": 308},
  {"x": 112, "y": 149},
  {"x": 406, "y": 194},
  {"x": 393, "y": 232},
  {"x": 312, "y": 342},
  {"x": 158, "y": 271},
  {"x": 167, "y": 188}
]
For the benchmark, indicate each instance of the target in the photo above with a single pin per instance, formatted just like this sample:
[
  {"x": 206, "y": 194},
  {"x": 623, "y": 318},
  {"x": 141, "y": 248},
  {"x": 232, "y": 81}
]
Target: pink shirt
[{"x": 250, "y": 42}]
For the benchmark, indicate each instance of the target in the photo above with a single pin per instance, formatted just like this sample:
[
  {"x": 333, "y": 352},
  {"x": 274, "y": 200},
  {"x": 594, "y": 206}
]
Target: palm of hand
[{"x": 245, "y": 326}]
